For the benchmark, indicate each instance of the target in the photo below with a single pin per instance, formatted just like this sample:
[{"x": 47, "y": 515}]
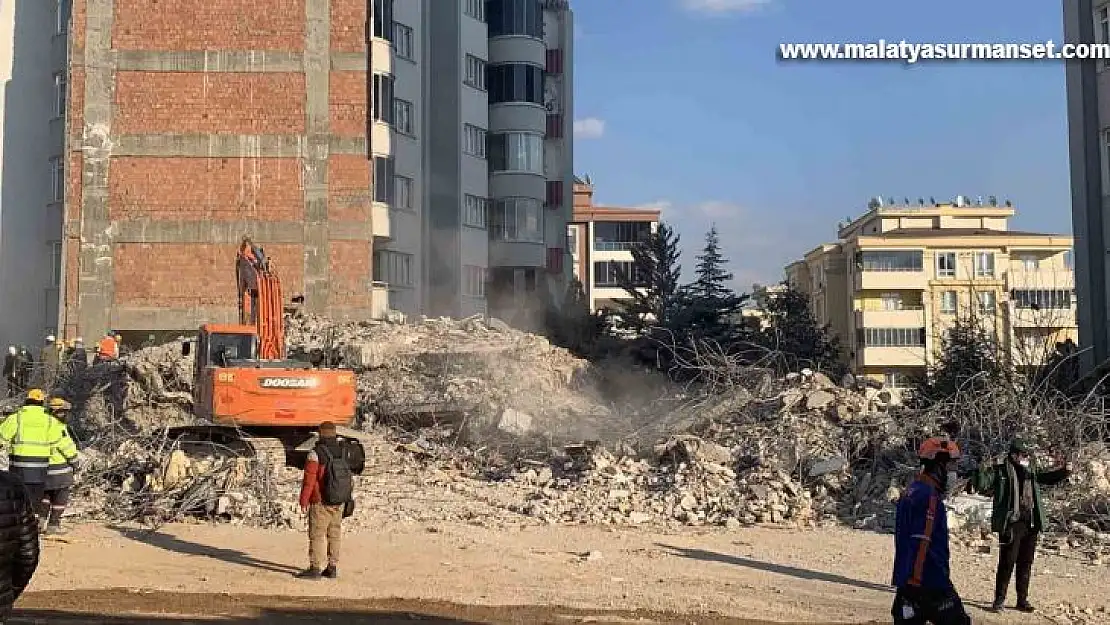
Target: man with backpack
[{"x": 327, "y": 496}]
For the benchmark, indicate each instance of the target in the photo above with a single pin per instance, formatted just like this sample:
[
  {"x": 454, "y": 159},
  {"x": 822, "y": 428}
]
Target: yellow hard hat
[
  {"x": 36, "y": 394},
  {"x": 57, "y": 403}
]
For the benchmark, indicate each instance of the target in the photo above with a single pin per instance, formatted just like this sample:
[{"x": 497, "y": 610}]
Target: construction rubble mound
[{"x": 474, "y": 421}]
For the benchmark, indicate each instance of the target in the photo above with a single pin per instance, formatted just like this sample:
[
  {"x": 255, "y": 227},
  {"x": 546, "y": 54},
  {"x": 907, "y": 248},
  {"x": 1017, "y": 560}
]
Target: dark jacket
[
  {"x": 19, "y": 542},
  {"x": 998, "y": 479},
  {"x": 921, "y": 538},
  {"x": 11, "y": 364}
]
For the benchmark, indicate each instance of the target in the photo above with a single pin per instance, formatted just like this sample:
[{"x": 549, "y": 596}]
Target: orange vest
[{"x": 109, "y": 348}]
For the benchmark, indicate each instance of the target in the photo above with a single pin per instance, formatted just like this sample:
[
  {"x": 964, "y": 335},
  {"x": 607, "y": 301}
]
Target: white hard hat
[
  {"x": 49, "y": 338},
  {"x": 12, "y": 349},
  {"x": 78, "y": 340}
]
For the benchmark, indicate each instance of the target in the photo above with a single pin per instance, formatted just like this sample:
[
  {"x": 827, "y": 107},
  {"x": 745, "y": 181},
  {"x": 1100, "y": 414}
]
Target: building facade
[
  {"x": 900, "y": 276},
  {"x": 1088, "y": 87},
  {"x": 601, "y": 239},
  {"x": 308, "y": 125}
]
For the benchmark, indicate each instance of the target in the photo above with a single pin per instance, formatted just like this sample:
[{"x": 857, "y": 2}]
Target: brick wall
[
  {"x": 347, "y": 103},
  {"x": 348, "y": 25},
  {"x": 185, "y": 102},
  {"x": 349, "y": 264},
  {"x": 181, "y": 275},
  {"x": 219, "y": 189},
  {"x": 209, "y": 25},
  {"x": 348, "y": 188}
]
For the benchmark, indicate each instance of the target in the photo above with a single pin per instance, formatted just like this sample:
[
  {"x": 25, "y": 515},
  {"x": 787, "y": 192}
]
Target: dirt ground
[{"x": 454, "y": 573}]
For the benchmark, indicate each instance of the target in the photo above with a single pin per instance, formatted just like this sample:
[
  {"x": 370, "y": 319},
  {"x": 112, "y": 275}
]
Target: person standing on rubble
[
  {"x": 26, "y": 368},
  {"x": 925, "y": 593},
  {"x": 19, "y": 542},
  {"x": 326, "y": 497},
  {"x": 108, "y": 348},
  {"x": 78, "y": 358},
  {"x": 11, "y": 368},
  {"x": 63, "y": 462},
  {"x": 32, "y": 436},
  {"x": 1013, "y": 482}
]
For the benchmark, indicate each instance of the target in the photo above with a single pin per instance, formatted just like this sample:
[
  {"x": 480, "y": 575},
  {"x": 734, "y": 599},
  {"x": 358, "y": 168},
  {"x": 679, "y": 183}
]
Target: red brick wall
[
  {"x": 347, "y": 103},
  {"x": 209, "y": 25},
  {"x": 348, "y": 25},
  {"x": 349, "y": 273},
  {"x": 179, "y": 275},
  {"x": 348, "y": 188},
  {"x": 218, "y": 189},
  {"x": 189, "y": 102}
]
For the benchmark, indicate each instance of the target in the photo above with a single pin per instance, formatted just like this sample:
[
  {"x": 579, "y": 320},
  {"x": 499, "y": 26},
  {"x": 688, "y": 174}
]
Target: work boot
[
  {"x": 997, "y": 605},
  {"x": 1025, "y": 606},
  {"x": 331, "y": 572},
  {"x": 309, "y": 573}
]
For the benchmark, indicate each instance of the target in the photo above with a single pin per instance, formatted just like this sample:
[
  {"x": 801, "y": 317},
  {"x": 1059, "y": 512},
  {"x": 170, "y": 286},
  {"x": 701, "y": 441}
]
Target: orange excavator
[{"x": 251, "y": 396}]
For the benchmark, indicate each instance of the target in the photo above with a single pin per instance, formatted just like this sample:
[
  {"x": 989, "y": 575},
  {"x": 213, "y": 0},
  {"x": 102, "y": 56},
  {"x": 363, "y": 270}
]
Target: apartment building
[
  {"x": 900, "y": 275},
  {"x": 1088, "y": 89},
  {"x": 412, "y": 155},
  {"x": 600, "y": 239}
]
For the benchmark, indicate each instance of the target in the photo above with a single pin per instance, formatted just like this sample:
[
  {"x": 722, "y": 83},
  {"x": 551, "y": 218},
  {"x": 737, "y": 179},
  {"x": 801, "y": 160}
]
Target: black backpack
[
  {"x": 338, "y": 483},
  {"x": 355, "y": 455}
]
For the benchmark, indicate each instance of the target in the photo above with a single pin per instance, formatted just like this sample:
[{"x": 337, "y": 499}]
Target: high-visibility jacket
[
  {"x": 921, "y": 538},
  {"x": 109, "y": 348},
  {"x": 33, "y": 438}
]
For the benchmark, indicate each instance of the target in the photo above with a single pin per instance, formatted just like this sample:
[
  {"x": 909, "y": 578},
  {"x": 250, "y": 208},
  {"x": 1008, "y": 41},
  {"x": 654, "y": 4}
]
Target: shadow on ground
[
  {"x": 165, "y": 541},
  {"x": 122, "y": 606},
  {"x": 790, "y": 571}
]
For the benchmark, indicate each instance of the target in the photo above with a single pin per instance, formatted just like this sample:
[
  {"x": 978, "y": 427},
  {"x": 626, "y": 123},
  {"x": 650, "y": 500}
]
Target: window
[
  {"x": 516, "y": 152},
  {"x": 892, "y": 337},
  {"x": 402, "y": 41},
  {"x": 987, "y": 302},
  {"x": 383, "y": 179},
  {"x": 984, "y": 264},
  {"x": 59, "y": 94},
  {"x": 890, "y": 261},
  {"x": 517, "y": 220},
  {"x": 554, "y": 126},
  {"x": 1029, "y": 262},
  {"x": 616, "y": 236},
  {"x": 402, "y": 193},
  {"x": 56, "y": 264},
  {"x": 891, "y": 301},
  {"x": 1102, "y": 32},
  {"x": 476, "y": 9},
  {"x": 611, "y": 273},
  {"x": 895, "y": 379},
  {"x": 554, "y": 61},
  {"x": 474, "y": 281},
  {"x": 515, "y": 17},
  {"x": 1040, "y": 299},
  {"x": 475, "y": 75},
  {"x": 475, "y": 210},
  {"x": 515, "y": 82},
  {"x": 57, "y": 180},
  {"x": 554, "y": 260},
  {"x": 383, "y": 19},
  {"x": 474, "y": 141},
  {"x": 393, "y": 268},
  {"x": 554, "y": 194},
  {"x": 946, "y": 264},
  {"x": 383, "y": 98},
  {"x": 572, "y": 240},
  {"x": 948, "y": 302},
  {"x": 63, "y": 8},
  {"x": 402, "y": 116},
  {"x": 1069, "y": 259}
]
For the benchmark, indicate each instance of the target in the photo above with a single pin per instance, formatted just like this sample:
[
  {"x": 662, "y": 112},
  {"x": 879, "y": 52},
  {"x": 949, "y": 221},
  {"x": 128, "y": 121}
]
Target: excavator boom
[{"x": 261, "y": 303}]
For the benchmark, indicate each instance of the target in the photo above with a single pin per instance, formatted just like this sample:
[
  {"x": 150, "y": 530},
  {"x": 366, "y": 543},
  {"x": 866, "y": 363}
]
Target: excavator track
[
  {"x": 202, "y": 440},
  {"x": 267, "y": 452}
]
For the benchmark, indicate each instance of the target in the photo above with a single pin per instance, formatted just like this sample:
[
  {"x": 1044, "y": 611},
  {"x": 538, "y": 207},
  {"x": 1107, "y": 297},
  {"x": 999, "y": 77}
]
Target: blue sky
[{"x": 683, "y": 104}]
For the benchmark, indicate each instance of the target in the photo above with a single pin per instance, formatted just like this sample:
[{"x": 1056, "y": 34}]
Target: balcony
[
  {"x": 1043, "y": 318},
  {"x": 379, "y": 220},
  {"x": 1035, "y": 279},
  {"x": 891, "y": 356},
  {"x": 891, "y": 280},
  {"x": 905, "y": 317}
]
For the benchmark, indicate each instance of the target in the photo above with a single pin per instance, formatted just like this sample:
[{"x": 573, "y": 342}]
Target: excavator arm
[{"x": 260, "y": 299}]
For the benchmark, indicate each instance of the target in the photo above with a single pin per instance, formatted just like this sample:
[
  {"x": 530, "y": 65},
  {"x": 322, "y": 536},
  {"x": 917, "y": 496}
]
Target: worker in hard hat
[
  {"x": 925, "y": 593},
  {"x": 59, "y": 474},
  {"x": 32, "y": 436},
  {"x": 108, "y": 348},
  {"x": 78, "y": 358}
]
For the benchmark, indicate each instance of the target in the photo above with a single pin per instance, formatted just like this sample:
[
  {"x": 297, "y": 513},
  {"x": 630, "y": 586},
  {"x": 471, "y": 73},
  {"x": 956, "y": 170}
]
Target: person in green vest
[{"x": 1018, "y": 517}]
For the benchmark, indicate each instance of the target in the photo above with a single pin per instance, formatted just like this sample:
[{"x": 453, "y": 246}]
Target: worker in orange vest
[{"x": 108, "y": 348}]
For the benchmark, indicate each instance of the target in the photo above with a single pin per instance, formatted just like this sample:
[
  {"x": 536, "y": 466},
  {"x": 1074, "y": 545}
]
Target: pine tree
[
  {"x": 573, "y": 325},
  {"x": 653, "y": 284},
  {"x": 712, "y": 308},
  {"x": 791, "y": 332},
  {"x": 970, "y": 361}
]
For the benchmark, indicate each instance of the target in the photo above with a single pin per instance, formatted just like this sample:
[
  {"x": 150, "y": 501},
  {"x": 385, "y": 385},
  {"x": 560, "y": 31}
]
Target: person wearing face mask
[
  {"x": 925, "y": 593},
  {"x": 1013, "y": 482}
]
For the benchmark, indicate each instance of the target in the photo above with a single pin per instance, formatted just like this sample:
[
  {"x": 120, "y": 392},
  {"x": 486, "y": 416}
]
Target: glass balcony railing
[{"x": 615, "y": 246}]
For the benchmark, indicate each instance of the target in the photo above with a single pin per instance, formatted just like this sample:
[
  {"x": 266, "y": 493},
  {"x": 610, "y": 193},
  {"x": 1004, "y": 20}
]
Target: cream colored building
[{"x": 900, "y": 275}]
